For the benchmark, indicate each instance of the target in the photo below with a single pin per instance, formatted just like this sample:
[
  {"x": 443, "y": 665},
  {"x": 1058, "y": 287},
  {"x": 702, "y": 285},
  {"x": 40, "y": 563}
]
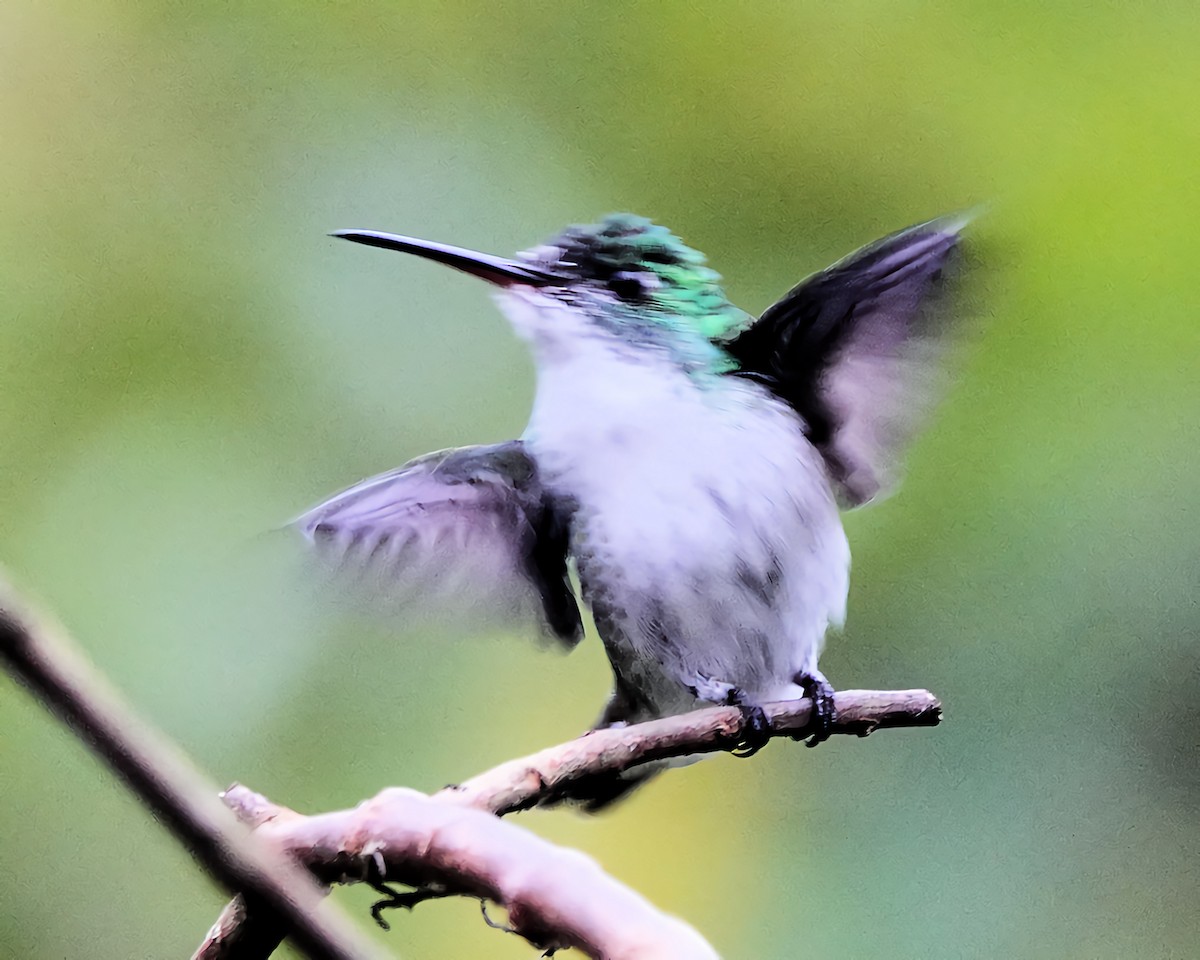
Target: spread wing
[
  {"x": 470, "y": 525},
  {"x": 855, "y": 350}
]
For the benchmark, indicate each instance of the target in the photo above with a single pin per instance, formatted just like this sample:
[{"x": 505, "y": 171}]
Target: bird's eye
[{"x": 634, "y": 284}]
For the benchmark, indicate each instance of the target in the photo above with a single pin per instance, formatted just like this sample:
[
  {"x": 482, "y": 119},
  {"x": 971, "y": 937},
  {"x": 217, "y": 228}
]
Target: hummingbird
[{"x": 691, "y": 460}]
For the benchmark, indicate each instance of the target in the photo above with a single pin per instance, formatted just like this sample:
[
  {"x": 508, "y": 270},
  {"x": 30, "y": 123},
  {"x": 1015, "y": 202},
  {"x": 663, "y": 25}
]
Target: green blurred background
[{"x": 186, "y": 361}]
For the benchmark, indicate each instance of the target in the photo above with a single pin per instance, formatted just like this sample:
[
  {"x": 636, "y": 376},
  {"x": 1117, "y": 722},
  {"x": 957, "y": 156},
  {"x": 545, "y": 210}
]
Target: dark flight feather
[{"x": 854, "y": 350}]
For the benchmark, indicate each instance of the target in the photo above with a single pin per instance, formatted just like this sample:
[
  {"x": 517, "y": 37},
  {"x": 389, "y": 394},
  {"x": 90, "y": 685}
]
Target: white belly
[{"x": 707, "y": 538}]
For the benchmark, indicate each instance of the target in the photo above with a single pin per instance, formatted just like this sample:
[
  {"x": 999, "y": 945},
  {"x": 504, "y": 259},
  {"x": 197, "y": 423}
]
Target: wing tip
[{"x": 951, "y": 224}]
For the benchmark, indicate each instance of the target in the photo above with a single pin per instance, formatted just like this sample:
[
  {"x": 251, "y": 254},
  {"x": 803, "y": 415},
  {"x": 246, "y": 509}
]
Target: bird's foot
[
  {"x": 756, "y": 730},
  {"x": 820, "y": 691}
]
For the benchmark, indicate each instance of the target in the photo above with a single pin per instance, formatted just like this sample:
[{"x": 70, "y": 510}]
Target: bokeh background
[{"x": 186, "y": 361}]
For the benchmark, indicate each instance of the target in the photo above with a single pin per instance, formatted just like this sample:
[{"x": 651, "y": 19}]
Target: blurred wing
[
  {"x": 855, "y": 349},
  {"x": 467, "y": 526}
]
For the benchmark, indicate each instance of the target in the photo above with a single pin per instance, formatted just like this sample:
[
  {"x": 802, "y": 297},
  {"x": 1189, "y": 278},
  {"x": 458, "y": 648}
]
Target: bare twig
[
  {"x": 242, "y": 933},
  {"x": 43, "y": 659},
  {"x": 555, "y": 898},
  {"x": 547, "y": 776}
]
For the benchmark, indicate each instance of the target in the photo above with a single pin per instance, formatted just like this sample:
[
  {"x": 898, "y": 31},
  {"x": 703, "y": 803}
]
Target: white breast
[{"x": 693, "y": 492}]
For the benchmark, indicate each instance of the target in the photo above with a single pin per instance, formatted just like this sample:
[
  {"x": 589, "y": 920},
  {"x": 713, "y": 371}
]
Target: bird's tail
[{"x": 599, "y": 792}]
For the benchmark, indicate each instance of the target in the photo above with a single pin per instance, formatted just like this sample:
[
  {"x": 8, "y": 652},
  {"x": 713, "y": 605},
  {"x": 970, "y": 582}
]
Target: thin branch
[
  {"x": 242, "y": 933},
  {"x": 555, "y": 898},
  {"x": 41, "y": 658},
  {"x": 546, "y": 777}
]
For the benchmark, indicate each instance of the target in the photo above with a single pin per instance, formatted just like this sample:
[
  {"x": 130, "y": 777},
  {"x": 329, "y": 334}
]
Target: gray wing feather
[
  {"x": 857, "y": 348},
  {"x": 472, "y": 525}
]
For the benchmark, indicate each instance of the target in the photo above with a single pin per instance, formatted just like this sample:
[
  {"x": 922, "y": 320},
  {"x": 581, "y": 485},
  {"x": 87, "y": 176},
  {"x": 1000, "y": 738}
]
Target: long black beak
[{"x": 495, "y": 270}]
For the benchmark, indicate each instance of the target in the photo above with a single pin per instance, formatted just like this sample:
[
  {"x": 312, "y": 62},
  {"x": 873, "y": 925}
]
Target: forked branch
[
  {"x": 547, "y": 777},
  {"x": 555, "y": 898},
  {"x": 451, "y": 843}
]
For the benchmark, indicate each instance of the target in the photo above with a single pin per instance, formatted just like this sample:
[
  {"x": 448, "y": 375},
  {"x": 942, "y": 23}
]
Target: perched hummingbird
[{"x": 689, "y": 458}]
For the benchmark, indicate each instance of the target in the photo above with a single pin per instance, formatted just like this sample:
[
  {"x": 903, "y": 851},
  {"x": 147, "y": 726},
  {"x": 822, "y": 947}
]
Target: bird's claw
[
  {"x": 824, "y": 712},
  {"x": 756, "y": 731},
  {"x": 755, "y": 728}
]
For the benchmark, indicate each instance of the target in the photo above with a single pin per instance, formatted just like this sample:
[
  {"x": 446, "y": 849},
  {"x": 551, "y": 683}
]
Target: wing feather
[
  {"x": 856, "y": 350},
  {"x": 471, "y": 525}
]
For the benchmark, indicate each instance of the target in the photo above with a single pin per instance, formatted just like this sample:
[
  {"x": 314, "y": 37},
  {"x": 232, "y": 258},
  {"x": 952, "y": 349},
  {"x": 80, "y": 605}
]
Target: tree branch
[
  {"x": 555, "y": 898},
  {"x": 546, "y": 777},
  {"x": 41, "y": 657},
  {"x": 451, "y": 843}
]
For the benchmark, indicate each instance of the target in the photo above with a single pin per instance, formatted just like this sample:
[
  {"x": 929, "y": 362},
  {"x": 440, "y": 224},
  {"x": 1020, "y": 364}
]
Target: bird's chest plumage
[{"x": 708, "y": 543}]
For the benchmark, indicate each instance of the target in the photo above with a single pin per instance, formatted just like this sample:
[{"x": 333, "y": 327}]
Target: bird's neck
[{"x": 604, "y": 408}]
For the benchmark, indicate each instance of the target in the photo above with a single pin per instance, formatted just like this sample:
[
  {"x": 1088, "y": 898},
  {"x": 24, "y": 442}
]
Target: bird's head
[{"x": 624, "y": 278}]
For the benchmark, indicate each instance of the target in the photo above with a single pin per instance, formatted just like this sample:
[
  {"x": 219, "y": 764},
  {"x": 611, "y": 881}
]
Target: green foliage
[{"x": 186, "y": 362}]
